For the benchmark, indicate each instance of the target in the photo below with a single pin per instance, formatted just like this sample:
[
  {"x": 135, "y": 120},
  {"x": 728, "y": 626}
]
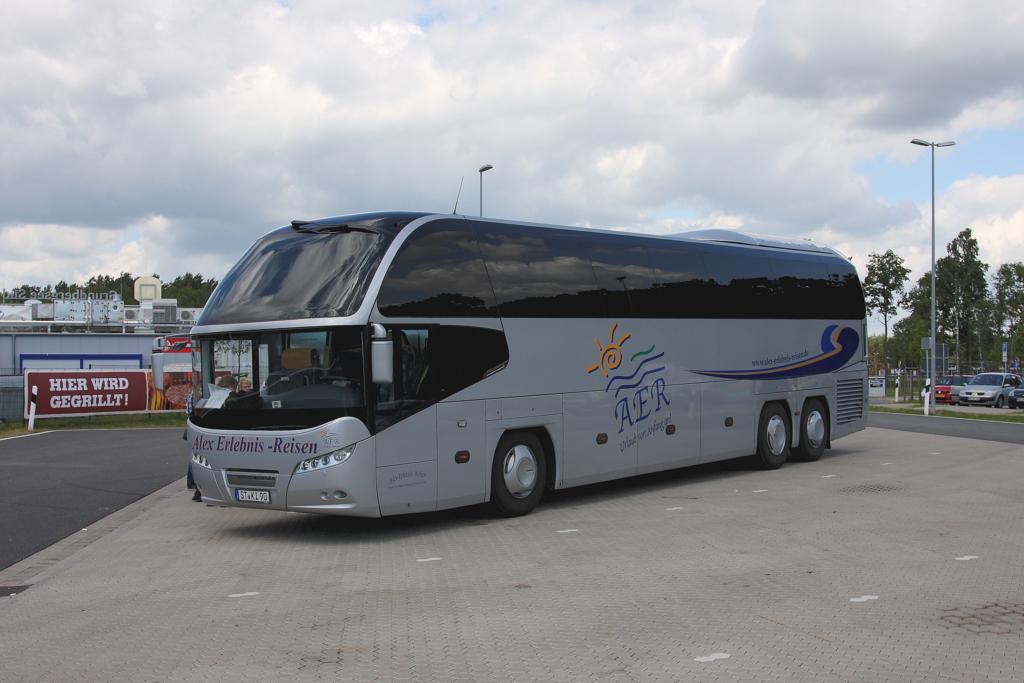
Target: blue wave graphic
[
  {"x": 639, "y": 381},
  {"x": 833, "y": 356},
  {"x": 636, "y": 371}
]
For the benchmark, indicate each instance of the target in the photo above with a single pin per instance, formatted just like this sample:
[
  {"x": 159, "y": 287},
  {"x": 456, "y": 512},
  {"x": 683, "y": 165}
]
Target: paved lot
[
  {"x": 897, "y": 557},
  {"x": 54, "y": 484}
]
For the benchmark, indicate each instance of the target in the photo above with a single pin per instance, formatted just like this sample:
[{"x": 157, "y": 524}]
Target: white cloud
[{"x": 177, "y": 133}]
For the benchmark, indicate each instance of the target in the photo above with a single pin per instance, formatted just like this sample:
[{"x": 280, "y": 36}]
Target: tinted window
[
  {"x": 677, "y": 287},
  {"x": 438, "y": 272},
  {"x": 622, "y": 272},
  {"x": 845, "y": 295},
  {"x": 742, "y": 284},
  {"x": 803, "y": 284},
  {"x": 289, "y": 275},
  {"x": 434, "y": 362},
  {"x": 538, "y": 272}
]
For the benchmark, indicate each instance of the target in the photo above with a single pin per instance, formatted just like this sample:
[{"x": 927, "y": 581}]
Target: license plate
[
  {"x": 973, "y": 398},
  {"x": 252, "y": 496}
]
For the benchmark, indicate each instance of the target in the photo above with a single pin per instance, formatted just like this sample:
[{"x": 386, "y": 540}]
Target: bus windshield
[
  {"x": 293, "y": 275},
  {"x": 278, "y": 380}
]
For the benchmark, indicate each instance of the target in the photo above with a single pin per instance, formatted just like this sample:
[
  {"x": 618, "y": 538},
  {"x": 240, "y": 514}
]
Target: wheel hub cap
[
  {"x": 520, "y": 471},
  {"x": 815, "y": 429},
  {"x": 776, "y": 434}
]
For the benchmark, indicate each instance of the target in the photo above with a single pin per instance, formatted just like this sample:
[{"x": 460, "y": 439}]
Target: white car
[{"x": 989, "y": 389}]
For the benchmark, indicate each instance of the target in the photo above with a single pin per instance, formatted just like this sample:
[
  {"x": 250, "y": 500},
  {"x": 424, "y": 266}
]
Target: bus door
[{"x": 406, "y": 424}]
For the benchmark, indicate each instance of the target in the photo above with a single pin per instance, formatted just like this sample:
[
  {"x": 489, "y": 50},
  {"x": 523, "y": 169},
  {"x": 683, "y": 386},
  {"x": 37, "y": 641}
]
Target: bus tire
[
  {"x": 773, "y": 437},
  {"x": 814, "y": 431},
  {"x": 518, "y": 474}
]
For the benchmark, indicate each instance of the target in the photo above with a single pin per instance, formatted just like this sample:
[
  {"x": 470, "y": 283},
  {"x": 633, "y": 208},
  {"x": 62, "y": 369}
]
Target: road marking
[
  {"x": 759, "y": 491},
  {"x": 886, "y": 463},
  {"x": 566, "y": 531},
  {"x": 22, "y": 436},
  {"x": 712, "y": 657},
  {"x": 243, "y": 595},
  {"x": 935, "y": 453},
  {"x": 673, "y": 509},
  {"x": 964, "y": 558},
  {"x": 828, "y": 476},
  {"x": 429, "y": 559},
  {"x": 864, "y": 598}
]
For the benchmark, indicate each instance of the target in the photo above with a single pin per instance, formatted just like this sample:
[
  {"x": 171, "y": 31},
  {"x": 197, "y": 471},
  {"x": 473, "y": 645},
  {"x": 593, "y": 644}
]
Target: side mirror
[{"x": 382, "y": 355}]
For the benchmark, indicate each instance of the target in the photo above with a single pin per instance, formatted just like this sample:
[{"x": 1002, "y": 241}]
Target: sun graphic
[{"x": 610, "y": 354}]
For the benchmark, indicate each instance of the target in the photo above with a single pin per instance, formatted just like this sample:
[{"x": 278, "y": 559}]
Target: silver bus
[{"x": 387, "y": 363}]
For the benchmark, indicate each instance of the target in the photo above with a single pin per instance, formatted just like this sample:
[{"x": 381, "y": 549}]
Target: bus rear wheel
[
  {"x": 773, "y": 437},
  {"x": 518, "y": 474},
  {"x": 813, "y": 431}
]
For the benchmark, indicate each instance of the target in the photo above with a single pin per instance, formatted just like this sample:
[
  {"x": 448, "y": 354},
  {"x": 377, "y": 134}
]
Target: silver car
[{"x": 989, "y": 389}]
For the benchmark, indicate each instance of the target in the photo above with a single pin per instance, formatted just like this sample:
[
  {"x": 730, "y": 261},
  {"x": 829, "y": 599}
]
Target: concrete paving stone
[{"x": 635, "y": 595}]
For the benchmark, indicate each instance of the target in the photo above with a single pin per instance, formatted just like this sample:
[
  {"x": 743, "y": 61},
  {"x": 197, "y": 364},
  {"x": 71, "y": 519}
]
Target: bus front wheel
[
  {"x": 518, "y": 474},
  {"x": 773, "y": 437}
]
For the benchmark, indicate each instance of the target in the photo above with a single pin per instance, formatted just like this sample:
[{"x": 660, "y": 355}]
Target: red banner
[{"x": 66, "y": 393}]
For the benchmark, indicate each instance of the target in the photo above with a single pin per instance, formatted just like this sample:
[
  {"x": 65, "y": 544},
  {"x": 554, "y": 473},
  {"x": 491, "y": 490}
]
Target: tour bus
[{"x": 387, "y": 363}]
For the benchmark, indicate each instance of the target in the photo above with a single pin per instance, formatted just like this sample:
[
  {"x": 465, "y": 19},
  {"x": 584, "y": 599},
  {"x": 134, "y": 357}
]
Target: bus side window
[
  {"x": 541, "y": 273},
  {"x": 678, "y": 286},
  {"x": 847, "y": 296},
  {"x": 438, "y": 272},
  {"x": 741, "y": 283},
  {"x": 436, "y": 362},
  {"x": 622, "y": 272},
  {"x": 411, "y": 390}
]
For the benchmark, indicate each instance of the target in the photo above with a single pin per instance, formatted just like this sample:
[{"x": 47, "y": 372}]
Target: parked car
[
  {"x": 948, "y": 388},
  {"x": 1016, "y": 399},
  {"x": 989, "y": 389}
]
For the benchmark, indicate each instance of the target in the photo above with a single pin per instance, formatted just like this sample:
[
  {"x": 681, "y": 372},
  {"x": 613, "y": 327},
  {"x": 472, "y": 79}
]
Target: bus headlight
[
  {"x": 201, "y": 461},
  {"x": 323, "y": 461}
]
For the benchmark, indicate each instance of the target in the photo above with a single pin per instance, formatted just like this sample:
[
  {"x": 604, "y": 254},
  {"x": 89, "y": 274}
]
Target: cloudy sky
[{"x": 166, "y": 136}]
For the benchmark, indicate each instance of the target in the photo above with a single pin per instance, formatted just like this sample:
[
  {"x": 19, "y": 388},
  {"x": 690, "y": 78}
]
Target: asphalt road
[
  {"x": 55, "y": 483},
  {"x": 1005, "y": 432}
]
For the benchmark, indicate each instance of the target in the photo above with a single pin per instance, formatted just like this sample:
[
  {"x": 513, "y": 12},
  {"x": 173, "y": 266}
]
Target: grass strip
[
  {"x": 996, "y": 416},
  {"x": 161, "y": 420}
]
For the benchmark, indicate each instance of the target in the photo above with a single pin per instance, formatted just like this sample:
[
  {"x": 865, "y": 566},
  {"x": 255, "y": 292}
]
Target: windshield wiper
[{"x": 320, "y": 228}]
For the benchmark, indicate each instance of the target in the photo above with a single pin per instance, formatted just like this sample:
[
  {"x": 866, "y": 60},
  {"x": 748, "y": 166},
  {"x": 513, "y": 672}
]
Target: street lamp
[
  {"x": 485, "y": 167},
  {"x": 931, "y": 362}
]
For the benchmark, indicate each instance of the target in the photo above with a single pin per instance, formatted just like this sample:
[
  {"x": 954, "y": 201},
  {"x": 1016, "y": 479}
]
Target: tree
[
  {"x": 961, "y": 293},
  {"x": 884, "y": 288},
  {"x": 1008, "y": 305},
  {"x": 191, "y": 290}
]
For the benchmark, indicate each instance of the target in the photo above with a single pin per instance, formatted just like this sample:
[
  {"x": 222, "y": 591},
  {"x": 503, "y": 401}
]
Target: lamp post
[
  {"x": 931, "y": 361},
  {"x": 485, "y": 167}
]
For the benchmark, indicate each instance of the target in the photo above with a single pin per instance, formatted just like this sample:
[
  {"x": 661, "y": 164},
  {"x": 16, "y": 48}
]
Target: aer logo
[{"x": 638, "y": 387}]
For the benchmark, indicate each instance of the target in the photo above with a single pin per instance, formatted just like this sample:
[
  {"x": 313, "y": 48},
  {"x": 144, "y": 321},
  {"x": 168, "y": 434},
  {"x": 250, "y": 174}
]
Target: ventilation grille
[
  {"x": 849, "y": 400},
  {"x": 258, "y": 480}
]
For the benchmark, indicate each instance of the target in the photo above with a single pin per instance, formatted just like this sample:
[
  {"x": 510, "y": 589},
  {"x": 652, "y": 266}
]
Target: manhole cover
[
  {"x": 1000, "y": 618},
  {"x": 870, "y": 488}
]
